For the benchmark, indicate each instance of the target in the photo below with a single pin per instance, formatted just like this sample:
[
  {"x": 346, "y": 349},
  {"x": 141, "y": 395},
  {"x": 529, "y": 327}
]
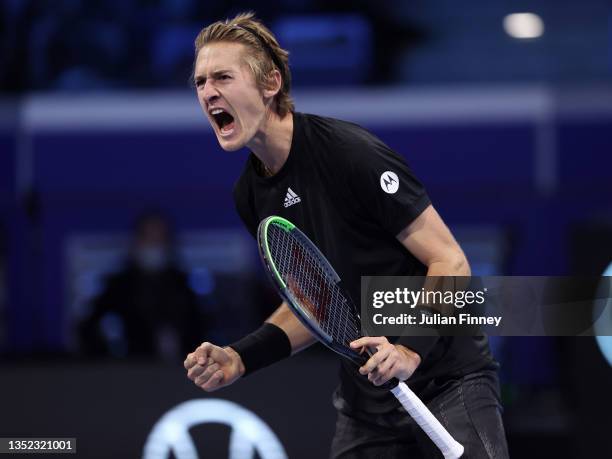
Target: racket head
[{"x": 309, "y": 285}]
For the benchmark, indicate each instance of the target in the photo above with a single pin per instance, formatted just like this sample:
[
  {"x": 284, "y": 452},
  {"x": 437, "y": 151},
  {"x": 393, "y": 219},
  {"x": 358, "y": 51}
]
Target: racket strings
[{"x": 312, "y": 286}]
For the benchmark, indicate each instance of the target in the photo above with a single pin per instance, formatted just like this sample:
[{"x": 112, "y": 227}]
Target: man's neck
[{"x": 272, "y": 143}]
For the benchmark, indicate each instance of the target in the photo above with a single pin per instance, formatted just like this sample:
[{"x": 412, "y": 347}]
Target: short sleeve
[
  {"x": 245, "y": 209},
  {"x": 384, "y": 185}
]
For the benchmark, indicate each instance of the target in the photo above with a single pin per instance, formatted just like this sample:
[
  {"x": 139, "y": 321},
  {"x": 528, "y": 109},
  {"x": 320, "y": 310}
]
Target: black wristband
[{"x": 263, "y": 347}]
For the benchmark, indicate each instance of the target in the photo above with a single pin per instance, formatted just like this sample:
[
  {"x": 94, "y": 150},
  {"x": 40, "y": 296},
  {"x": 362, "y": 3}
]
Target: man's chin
[
  {"x": 229, "y": 145},
  {"x": 231, "y": 148}
]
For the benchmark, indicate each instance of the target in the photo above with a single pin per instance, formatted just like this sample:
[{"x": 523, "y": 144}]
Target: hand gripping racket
[{"x": 311, "y": 288}]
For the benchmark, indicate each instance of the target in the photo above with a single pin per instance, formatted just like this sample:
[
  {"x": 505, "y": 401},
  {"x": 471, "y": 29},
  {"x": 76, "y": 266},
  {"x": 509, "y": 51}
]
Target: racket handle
[{"x": 450, "y": 448}]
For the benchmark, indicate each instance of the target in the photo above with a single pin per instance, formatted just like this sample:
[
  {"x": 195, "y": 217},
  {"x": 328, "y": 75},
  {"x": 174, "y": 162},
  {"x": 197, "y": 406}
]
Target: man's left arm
[{"x": 431, "y": 242}]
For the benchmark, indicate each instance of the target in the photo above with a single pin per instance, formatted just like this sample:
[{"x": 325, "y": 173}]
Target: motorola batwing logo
[
  {"x": 389, "y": 182},
  {"x": 250, "y": 434}
]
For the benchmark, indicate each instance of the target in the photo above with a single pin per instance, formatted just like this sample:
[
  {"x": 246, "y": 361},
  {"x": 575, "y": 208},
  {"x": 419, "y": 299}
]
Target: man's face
[{"x": 228, "y": 94}]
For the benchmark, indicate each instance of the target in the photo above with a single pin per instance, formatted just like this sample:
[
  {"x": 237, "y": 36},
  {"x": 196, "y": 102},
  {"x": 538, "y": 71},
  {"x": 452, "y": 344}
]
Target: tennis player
[{"x": 358, "y": 201}]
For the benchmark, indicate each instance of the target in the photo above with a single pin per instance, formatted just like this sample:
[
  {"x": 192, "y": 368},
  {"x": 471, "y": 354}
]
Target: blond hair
[{"x": 265, "y": 56}]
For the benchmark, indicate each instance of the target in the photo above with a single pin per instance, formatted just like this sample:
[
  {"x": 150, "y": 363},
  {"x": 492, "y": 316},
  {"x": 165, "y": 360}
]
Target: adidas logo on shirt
[{"x": 291, "y": 198}]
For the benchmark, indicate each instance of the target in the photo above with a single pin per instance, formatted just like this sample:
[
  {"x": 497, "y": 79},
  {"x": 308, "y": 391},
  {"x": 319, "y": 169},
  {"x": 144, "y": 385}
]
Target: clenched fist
[{"x": 212, "y": 367}]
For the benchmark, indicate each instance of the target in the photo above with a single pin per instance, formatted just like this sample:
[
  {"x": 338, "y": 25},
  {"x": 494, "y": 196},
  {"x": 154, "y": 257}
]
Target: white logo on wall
[
  {"x": 389, "y": 182},
  {"x": 249, "y": 433},
  {"x": 601, "y": 326}
]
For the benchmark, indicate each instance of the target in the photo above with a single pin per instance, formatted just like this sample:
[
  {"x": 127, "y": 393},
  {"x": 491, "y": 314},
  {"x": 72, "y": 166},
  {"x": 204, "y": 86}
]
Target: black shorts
[{"x": 468, "y": 407}]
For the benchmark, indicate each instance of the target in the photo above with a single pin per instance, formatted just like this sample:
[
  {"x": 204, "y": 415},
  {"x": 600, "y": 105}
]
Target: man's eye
[{"x": 225, "y": 77}]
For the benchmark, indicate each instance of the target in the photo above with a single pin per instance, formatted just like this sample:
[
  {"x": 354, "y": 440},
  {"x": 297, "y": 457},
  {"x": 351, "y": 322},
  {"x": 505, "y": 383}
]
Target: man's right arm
[
  {"x": 211, "y": 367},
  {"x": 299, "y": 336}
]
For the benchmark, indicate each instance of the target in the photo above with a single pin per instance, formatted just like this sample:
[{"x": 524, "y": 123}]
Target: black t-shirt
[{"x": 351, "y": 195}]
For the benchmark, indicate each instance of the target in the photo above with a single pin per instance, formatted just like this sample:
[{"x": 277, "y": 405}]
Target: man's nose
[{"x": 210, "y": 92}]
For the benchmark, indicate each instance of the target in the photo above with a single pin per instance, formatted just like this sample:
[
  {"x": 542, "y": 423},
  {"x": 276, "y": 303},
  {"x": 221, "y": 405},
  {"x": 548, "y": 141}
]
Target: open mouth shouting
[{"x": 223, "y": 119}]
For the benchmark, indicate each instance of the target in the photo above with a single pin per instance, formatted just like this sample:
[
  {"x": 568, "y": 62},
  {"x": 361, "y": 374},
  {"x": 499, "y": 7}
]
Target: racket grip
[{"x": 450, "y": 448}]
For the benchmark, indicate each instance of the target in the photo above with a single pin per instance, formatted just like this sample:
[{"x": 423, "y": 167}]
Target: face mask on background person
[{"x": 151, "y": 258}]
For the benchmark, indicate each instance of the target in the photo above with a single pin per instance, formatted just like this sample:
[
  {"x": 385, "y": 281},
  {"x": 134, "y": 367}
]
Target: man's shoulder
[
  {"x": 242, "y": 193},
  {"x": 343, "y": 139},
  {"x": 339, "y": 129},
  {"x": 244, "y": 179}
]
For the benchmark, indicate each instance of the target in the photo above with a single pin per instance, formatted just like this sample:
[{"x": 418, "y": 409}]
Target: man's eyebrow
[
  {"x": 213, "y": 74},
  {"x": 216, "y": 73}
]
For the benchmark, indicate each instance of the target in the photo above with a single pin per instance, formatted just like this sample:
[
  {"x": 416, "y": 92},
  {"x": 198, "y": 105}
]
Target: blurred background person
[{"x": 148, "y": 308}]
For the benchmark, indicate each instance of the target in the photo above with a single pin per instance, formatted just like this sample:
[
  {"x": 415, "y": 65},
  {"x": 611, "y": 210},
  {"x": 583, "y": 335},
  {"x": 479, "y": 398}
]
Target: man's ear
[{"x": 273, "y": 84}]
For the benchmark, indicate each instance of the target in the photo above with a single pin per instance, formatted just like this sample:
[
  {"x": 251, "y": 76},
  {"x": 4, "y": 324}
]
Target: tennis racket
[{"x": 311, "y": 288}]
